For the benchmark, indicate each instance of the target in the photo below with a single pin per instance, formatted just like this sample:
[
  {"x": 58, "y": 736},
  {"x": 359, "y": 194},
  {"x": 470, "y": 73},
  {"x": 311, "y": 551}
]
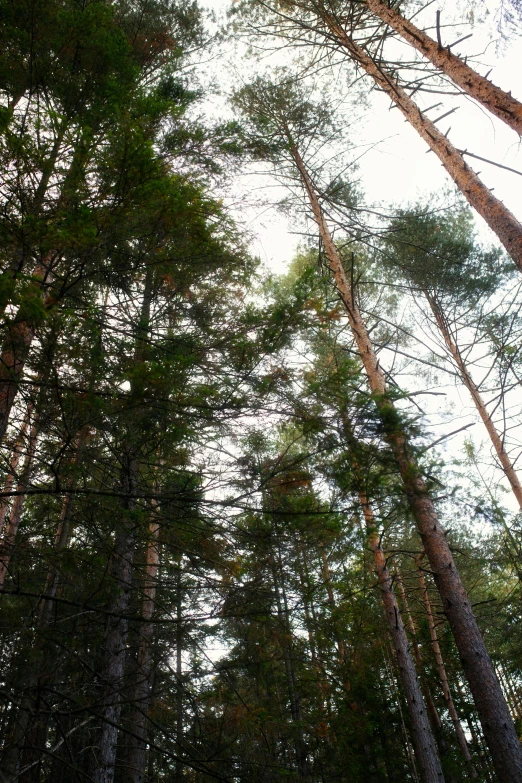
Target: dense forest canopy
[{"x": 258, "y": 527}]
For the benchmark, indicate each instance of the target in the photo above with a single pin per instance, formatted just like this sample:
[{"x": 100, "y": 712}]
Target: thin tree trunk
[
  {"x": 496, "y": 720},
  {"x": 21, "y": 330},
  {"x": 409, "y": 750},
  {"x": 470, "y": 385},
  {"x": 498, "y": 102},
  {"x": 179, "y": 672},
  {"x": 15, "y": 515},
  {"x": 430, "y": 704},
  {"x": 115, "y": 641},
  {"x": 286, "y": 642},
  {"x": 422, "y": 736},
  {"x": 443, "y": 675},
  {"x": 501, "y": 221},
  {"x": 43, "y": 671},
  {"x": 515, "y": 707},
  {"x": 13, "y": 466},
  {"x": 327, "y": 579},
  {"x": 61, "y": 538},
  {"x": 115, "y": 638},
  {"x": 137, "y": 758}
]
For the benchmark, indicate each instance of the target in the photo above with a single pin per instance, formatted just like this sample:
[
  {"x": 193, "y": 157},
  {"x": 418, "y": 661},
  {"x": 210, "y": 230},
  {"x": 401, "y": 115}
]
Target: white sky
[{"x": 396, "y": 166}]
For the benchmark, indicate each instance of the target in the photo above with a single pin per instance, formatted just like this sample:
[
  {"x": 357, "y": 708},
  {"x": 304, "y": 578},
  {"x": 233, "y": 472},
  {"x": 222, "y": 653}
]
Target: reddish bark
[
  {"x": 501, "y": 221},
  {"x": 15, "y": 349},
  {"x": 498, "y": 102}
]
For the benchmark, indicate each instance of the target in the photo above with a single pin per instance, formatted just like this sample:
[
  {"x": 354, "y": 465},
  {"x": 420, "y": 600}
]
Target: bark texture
[
  {"x": 497, "y": 724},
  {"x": 424, "y": 745},
  {"x": 498, "y": 102}
]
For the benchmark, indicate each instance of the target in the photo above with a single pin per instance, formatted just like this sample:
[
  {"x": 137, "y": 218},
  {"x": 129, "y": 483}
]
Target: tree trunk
[
  {"x": 179, "y": 673},
  {"x": 137, "y": 758},
  {"x": 15, "y": 515},
  {"x": 34, "y": 208},
  {"x": 61, "y": 538},
  {"x": 409, "y": 750},
  {"x": 16, "y": 347},
  {"x": 423, "y": 741},
  {"x": 496, "y": 720},
  {"x": 115, "y": 638},
  {"x": 498, "y": 102},
  {"x": 286, "y": 649},
  {"x": 501, "y": 221},
  {"x": 13, "y": 466},
  {"x": 422, "y": 736},
  {"x": 430, "y": 704},
  {"x": 470, "y": 385},
  {"x": 443, "y": 675}
]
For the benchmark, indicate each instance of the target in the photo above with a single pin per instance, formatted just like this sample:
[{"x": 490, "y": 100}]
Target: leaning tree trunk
[
  {"x": 423, "y": 741},
  {"x": 459, "y": 731},
  {"x": 430, "y": 704},
  {"x": 492, "y": 709},
  {"x": 498, "y": 102},
  {"x": 406, "y": 739},
  {"x": 471, "y": 386},
  {"x": 501, "y": 221},
  {"x": 422, "y": 736}
]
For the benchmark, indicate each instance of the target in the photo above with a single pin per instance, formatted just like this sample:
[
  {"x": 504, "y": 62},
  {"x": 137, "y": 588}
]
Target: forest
[{"x": 259, "y": 524}]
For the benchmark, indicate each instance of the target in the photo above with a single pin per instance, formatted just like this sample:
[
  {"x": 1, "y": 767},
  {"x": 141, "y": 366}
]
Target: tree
[{"x": 289, "y": 116}]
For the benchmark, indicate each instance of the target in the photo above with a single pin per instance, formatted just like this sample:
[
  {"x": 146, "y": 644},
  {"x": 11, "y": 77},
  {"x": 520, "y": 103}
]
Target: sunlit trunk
[{"x": 500, "y": 103}]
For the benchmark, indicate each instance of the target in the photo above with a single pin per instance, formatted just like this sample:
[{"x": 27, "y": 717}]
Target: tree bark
[
  {"x": 407, "y": 744},
  {"x": 496, "y": 720},
  {"x": 433, "y": 713},
  {"x": 15, "y": 515},
  {"x": 470, "y": 385},
  {"x": 461, "y": 737},
  {"x": 13, "y": 466},
  {"x": 115, "y": 638},
  {"x": 501, "y": 221},
  {"x": 422, "y": 736},
  {"x": 498, "y": 102}
]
